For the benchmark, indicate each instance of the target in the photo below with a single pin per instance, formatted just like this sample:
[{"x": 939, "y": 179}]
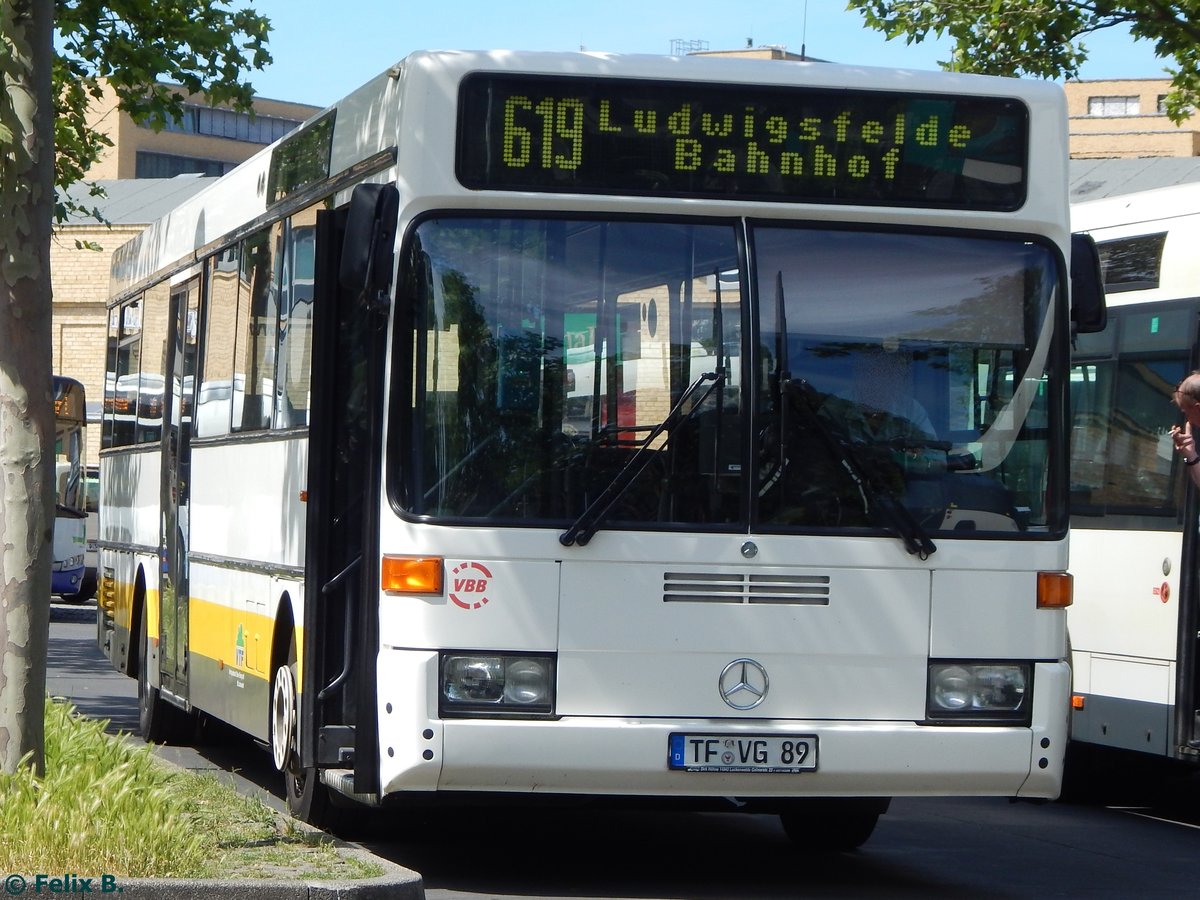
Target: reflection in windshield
[
  {"x": 547, "y": 353},
  {"x": 928, "y": 364}
]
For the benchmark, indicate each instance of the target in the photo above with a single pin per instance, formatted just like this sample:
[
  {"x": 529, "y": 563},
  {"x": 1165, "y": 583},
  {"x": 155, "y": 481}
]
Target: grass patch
[{"x": 106, "y": 805}]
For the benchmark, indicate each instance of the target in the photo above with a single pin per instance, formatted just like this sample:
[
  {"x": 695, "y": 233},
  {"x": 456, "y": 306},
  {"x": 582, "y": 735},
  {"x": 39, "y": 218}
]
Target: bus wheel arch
[{"x": 137, "y": 613}]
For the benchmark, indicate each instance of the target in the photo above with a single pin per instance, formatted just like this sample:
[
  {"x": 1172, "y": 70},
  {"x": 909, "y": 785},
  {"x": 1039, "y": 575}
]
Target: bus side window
[
  {"x": 151, "y": 381},
  {"x": 258, "y": 319},
  {"x": 214, "y": 400},
  {"x": 122, "y": 374},
  {"x": 294, "y": 358}
]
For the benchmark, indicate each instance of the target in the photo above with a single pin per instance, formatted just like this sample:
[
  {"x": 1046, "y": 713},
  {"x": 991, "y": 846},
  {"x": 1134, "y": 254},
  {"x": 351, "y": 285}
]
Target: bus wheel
[
  {"x": 307, "y": 798},
  {"x": 159, "y": 721},
  {"x": 283, "y": 719},
  {"x": 833, "y": 824}
]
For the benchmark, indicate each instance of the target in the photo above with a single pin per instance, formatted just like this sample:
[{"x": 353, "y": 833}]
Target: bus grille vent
[{"x": 711, "y": 587}]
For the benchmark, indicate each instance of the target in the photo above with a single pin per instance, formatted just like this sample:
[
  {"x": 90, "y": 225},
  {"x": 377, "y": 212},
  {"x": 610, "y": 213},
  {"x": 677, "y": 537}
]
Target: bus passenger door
[
  {"x": 175, "y": 486},
  {"x": 338, "y": 729}
]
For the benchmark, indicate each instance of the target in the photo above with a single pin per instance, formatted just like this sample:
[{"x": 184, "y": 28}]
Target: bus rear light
[
  {"x": 1054, "y": 590},
  {"x": 411, "y": 574}
]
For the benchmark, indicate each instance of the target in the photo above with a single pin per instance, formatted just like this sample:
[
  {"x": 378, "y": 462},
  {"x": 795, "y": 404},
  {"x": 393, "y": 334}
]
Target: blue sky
[{"x": 324, "y": 50}]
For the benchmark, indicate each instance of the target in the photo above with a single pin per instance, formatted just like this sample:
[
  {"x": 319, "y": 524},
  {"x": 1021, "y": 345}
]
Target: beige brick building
[
  {"x": 206, "y": 140},
  {"x": 1126, "y": 119}
]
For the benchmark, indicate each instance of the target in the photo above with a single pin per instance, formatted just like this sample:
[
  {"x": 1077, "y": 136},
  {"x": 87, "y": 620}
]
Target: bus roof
[{"x": 1136, "y": 207}]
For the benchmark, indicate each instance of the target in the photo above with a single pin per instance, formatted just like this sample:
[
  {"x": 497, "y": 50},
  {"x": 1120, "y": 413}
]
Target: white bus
[
  {"x": 583, "y": 425},
  {"x": 1134, "y": 625},
  {"x": 68, "y": 578}
]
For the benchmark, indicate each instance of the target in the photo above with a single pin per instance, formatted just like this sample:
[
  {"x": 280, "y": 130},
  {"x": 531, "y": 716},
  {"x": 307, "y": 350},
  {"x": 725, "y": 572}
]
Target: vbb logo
[{"x": 469, "y": 582}]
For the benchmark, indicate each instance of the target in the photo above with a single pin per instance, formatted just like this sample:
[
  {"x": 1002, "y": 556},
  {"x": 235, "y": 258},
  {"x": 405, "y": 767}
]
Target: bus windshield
[{"x": 548, "y": 352}]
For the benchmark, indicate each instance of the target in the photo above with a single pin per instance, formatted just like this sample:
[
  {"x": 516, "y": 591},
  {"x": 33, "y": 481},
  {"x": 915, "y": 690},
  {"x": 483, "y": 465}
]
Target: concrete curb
[{"x": 397, "y": 883}]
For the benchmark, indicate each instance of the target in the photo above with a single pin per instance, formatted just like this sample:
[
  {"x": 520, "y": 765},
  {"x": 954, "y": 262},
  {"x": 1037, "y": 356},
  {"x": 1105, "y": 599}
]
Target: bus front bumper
[{"x": 629, "y": 757}]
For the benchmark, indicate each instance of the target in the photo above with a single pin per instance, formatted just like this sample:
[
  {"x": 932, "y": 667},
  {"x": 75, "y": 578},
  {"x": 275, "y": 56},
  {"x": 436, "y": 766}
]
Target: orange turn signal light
[
  {"x": 1055, "y": 590},
  {"x": 1078, "y": 701},
  {"x": 411, "y": 574}
]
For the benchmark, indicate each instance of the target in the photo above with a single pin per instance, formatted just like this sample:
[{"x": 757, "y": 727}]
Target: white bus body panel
[
  {"x": 132, "y": 499},
  {"x": 237, "y": 487},
  {"x": 634, "y": 667},
  {"x": 1124, "y": 630},
  {"x": 241, "y": 571},
  {"x": 131, "y": 522},
  {"x": 1148, "y": 617}
]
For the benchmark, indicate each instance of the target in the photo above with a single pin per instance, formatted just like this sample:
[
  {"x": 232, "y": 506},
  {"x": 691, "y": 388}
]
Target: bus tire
[
  {"x": 160, "y": 722},
  {"x": 87, "y": 590},
  {"x": 307, "y": 798},
  {"x": 832, "y": 824}
]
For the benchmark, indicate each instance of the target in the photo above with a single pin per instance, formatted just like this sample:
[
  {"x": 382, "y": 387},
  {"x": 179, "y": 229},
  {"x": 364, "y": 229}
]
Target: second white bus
[{"x": 1135, "y": 625}]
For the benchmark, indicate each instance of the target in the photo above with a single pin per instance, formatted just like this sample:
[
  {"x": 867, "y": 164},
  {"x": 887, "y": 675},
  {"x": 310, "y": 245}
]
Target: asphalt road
[{"x": 1138, "y": 837}]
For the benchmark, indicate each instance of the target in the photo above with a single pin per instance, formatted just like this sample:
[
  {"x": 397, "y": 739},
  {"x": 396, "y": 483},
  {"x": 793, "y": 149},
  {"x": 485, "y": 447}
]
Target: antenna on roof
[{"x": 804, "y": 32}]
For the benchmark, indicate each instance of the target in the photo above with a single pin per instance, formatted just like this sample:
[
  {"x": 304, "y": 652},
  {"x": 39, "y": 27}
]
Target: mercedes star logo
[{"x": 743, "y": 684}]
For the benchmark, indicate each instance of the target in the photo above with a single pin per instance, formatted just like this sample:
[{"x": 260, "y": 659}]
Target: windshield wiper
[
  {"x": 588, "y": 523},
  {"x": 906, "y": 527}
]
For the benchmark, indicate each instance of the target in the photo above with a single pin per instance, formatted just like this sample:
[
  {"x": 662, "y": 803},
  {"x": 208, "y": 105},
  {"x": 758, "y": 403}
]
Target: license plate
[{"x": 742, "y": 753}]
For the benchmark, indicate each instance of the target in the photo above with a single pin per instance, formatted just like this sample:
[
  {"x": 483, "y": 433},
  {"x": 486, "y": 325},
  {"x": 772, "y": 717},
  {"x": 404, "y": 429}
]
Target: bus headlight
[
  {"x": 978, "y": 691},
  {"x": 66, "y": 565},
  {"x": 488, "y": 684}
]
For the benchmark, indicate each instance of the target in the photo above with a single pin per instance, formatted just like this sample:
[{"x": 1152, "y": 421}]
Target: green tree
[
  {"x": 142, "y": 48},
  {"x": 1045, "y": 38},
  {"x": 45, "y": 87}
]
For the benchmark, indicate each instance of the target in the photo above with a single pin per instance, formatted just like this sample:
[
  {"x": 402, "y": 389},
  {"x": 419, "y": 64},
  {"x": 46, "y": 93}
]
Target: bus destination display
[{"x": 625, "y": 136}]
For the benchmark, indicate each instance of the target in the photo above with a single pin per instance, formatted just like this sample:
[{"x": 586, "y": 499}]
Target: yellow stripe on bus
[{"x": 238, "y": 639}]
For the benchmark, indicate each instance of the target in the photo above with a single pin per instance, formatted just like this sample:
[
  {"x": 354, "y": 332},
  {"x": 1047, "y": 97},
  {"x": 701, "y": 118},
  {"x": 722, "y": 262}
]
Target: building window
[
  {"x": 1113, "y": 106},
  {"x": 167, "y": 165},
  {"x": 1162, "y": 104},
  {"x": 226, "y": 123}
]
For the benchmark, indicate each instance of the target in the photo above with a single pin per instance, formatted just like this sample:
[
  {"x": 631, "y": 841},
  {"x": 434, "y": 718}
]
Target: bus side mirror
[
  {"x": 1089, "y": 310},
  {"x": 366, "y": 264}
]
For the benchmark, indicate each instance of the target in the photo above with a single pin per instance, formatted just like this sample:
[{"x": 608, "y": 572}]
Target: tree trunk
[{"x": 26, "y": 398}]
